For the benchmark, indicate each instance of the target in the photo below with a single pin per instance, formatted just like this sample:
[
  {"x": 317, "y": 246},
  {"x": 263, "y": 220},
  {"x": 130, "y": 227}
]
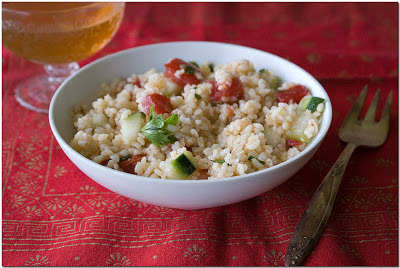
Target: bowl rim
[
  {"x": 316, "y": 140},
  {"x": 90, "y": 5}
]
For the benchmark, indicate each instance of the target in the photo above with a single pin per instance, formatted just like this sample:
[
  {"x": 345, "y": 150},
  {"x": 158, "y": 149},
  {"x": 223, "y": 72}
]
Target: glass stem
[{"x": 59, "y": 72}]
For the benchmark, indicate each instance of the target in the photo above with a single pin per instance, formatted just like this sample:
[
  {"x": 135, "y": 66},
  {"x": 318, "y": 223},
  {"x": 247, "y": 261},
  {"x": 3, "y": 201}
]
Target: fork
[{"x": 355, "y": 132}]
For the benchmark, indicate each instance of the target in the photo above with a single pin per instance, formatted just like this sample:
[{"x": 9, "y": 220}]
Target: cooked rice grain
[{"x": 225, "y": 139}]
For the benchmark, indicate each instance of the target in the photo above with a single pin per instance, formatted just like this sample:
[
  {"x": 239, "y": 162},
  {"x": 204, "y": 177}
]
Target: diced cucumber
[
  {"x": 315, "y": 101},
  {"x": 273, "y": 80},
  {"x": 298, "y": 136},
  {"x": 182, "y": 167},
  {"x": 310, "y": 103},
  {"x": 275, "y": 83},
  {"x": 304, "y": 103},
  {"x": 271, "y": 136},
  {"x": 300, "y": 123},
  {"x": 131, "y": 126}
]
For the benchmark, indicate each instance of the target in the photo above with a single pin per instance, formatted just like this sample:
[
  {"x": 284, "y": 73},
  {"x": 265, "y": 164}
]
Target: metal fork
[{"x": 356, "y": 133}]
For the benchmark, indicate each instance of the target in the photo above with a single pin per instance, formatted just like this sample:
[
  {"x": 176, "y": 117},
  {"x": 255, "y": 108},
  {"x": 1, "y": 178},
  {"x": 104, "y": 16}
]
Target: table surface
[{"x": 54, "y": 215}]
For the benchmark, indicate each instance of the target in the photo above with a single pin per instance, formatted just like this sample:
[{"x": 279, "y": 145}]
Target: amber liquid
[{"x": 57, "y": 33}]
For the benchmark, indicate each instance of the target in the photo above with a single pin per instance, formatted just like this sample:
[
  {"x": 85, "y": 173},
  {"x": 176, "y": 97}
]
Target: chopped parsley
[
  {"x": 211, "y": 66},
  {"x": 214, "y": 104},
  {"x": 197, "y": 96},
  {"x": 261, "y": 162},
  {"x": 158, "y": 131},
  {"x": 189, "y": 69},
  {"x": 194, "y": 63},
  {"x": 126, "y": 157},
  {"x": 261, "y": 71},
  {"x": 220, "y": 161}
]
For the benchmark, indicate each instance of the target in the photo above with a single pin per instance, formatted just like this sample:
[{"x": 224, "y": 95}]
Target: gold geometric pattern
[
  {"x": 195, "y": 253},
  {"x": 161, "y": 211},
  {"x": 319, "y": 165},
  {"x": 352, "y": 253},
  {"x": 74, "y": 211},
  {"x": 59, "y": 171},
  {"x": 274, "y": 258},
  {"x": 119, "y": 208},
  {"x": 31, "y": 211},
  {"x": 37, "y": 260},
  {"x": 314, "y": 58},
  {"x": 16, "y": 200},
  {"x": 98, "y": 201},
  {"x": 382, "y": 196},
  {"x": 117, "y": 260},
  {"x": 35, "y": 163},
  {"x": 139, "y": 225},
  {"x": 358, "y": 181},
  {"x": 55, "y": 204},
  {"x": 382, "y": 162}
]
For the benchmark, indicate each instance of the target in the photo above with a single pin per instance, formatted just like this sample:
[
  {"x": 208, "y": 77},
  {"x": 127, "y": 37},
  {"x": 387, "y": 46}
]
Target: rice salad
[{"x": 197, "y": 121}]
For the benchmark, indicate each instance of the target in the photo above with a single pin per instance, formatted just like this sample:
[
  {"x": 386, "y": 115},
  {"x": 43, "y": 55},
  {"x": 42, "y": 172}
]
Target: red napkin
[{"x": 54, "y": 215}]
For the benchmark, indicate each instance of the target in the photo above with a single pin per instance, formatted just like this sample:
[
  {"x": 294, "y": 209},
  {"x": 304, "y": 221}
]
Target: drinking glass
[{"x": 56, "y": 35}]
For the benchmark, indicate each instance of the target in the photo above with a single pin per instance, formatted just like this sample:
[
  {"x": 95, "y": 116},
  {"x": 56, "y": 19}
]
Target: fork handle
[{"x": 313, "y": 221}]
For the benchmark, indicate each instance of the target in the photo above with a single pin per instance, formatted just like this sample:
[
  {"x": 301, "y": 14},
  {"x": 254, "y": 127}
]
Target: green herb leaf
[
  {"x": 214, "y": 104},
  {"x": 211, "y": 66},
  {"x": 197, "y": 96},
  {"x": 156, "y": 129},
  {"x": 172, "y": 120},
  {"x": 261, "y": 71},
  {"x": 172, "y": 139},
  {"x": 221, "y": 161},
  {"x": 156, "y": 137},
  {"x": 260, "y": 161},
  {"x": 194, "y": 63},
  {"x": 156, "y": 122},
  {"x": 126, "y": 157},
  {"x": 189, "y": 69}
]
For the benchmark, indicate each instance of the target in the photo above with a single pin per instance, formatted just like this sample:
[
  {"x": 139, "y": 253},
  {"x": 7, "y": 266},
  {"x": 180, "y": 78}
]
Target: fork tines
[{"x": 370, "y": 115}]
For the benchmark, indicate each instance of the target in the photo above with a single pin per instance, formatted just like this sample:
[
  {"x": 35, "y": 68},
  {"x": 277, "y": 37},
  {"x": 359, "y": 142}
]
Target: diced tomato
[
  {"x": 129, "y": 165},
  {"x": 104, "y": 162},
  {"x": 292, "y": 142},
  {"x": 191, "y": 75},
  {"x": 294, "y": 94},
  {"x": 203, "y": 174},
  {"x": 228, "y": 94},
  {"x": 137, "y": 83},
  {"x": 161, "y": 104}
]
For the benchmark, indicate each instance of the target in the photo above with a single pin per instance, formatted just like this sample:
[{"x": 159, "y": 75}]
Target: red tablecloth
[{"x": 54, "y": 215}]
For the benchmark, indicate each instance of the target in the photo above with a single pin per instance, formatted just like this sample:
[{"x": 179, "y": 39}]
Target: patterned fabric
[{"x": 54, "y": 215}]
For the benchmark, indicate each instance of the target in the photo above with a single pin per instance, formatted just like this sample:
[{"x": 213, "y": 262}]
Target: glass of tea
[{"x": 56, "y": 35}]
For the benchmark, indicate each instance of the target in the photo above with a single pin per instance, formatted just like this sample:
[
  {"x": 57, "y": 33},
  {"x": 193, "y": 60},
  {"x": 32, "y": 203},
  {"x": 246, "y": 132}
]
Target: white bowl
[{"x": 83, "y": 87}]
